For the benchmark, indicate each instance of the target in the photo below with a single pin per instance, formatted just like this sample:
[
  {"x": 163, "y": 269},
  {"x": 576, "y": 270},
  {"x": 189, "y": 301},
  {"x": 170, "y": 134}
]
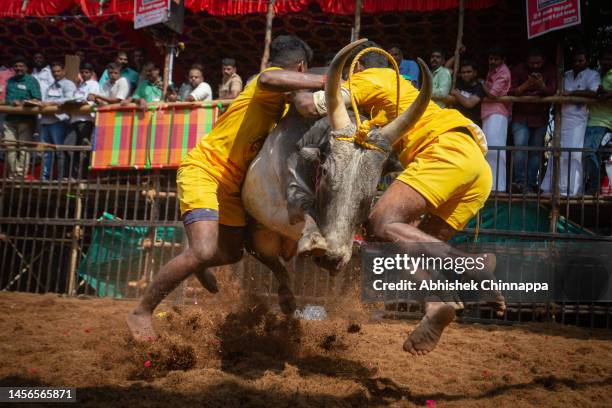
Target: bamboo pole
[
  {"x": 557, "y": 143},
  {"x": 268, "y": 39},
  {"x": 168, "y": 65},
  {"x": 357, "y": 24},
  {"x": 74, "y": 251},
  {"x": 459, "y": 41}
]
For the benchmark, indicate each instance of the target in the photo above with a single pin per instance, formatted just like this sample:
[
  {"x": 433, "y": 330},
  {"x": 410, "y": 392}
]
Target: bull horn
[
  {"x": 400, "y": 125},
  {"x": 338, "y": 115}
]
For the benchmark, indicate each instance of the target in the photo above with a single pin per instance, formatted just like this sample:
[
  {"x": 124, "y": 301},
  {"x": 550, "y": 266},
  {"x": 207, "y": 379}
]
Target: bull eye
[{"x": 324, "y": 171}]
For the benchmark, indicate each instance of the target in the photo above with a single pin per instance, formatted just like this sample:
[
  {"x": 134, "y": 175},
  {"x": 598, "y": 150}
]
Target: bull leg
[
  {"x": 311, "y": 241},
  {"x": 267, "y": 246}
]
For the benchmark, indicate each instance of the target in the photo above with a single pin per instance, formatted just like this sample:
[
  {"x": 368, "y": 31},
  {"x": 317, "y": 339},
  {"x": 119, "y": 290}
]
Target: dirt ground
[{"x": 222, "y": 352}]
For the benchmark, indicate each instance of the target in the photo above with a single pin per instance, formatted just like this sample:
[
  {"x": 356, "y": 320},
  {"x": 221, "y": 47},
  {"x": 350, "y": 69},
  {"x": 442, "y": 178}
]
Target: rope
[{"x": 363, "y": 128}]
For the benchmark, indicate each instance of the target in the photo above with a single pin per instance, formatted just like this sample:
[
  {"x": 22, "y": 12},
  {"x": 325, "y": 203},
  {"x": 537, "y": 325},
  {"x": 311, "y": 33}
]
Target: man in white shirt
[
  {"x": 42, "y": 73},
  {"x": 579, "y": 81},
  {"x": 53, "y": 126},
  {"x": 81, "y": 125},
  {"x": 115, "y": 90},
  {"x": 197, "y": 90}
]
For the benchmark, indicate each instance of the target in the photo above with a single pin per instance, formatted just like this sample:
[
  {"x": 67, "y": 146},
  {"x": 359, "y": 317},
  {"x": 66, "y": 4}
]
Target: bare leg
[
  {"x": 209, "y": 245},
  {"x": 392, "y": 220}
]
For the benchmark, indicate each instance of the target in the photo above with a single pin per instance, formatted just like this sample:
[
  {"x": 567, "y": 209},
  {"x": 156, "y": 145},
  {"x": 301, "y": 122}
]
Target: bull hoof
[
  {"x": 312, "y": 243},
  {"x": 286, "y": 300}
]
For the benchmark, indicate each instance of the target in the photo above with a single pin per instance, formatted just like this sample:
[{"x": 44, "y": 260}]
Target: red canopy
[{"x": 123, "y": 9}]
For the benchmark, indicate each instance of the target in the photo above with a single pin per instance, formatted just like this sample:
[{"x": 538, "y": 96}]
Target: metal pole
[
  {"x": 268, "y": 39},
  {"x": 459, "y": 40},
  {"x": 357, "y": 25},
  {"x": 557, "y": 142}
]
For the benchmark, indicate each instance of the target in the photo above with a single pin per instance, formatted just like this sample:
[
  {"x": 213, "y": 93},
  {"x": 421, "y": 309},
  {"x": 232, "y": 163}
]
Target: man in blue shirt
[
  {"x": 126, "y": 72},
  {"x": 408, "y": 68}
]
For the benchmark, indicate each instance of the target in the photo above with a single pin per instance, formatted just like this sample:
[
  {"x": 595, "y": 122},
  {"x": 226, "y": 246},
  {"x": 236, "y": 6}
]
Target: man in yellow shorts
[
  {"x": 445, "y": 183},
  {"x": 210, "y": 176}
]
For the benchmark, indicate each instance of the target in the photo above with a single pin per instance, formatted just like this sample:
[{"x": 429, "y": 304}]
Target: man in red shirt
[{"x": 529, "y": 120}]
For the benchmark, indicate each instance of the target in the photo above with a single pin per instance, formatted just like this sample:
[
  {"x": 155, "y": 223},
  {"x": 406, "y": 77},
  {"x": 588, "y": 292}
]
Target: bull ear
[
  {"x": 311, "y": 154},
  {"x": 392, "y": 165}
]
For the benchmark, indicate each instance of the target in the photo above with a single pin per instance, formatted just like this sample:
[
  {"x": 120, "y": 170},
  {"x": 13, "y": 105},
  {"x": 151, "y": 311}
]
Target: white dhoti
[
  {"x": 495, "y": 128},
  {"x": 570, "y": 163}
]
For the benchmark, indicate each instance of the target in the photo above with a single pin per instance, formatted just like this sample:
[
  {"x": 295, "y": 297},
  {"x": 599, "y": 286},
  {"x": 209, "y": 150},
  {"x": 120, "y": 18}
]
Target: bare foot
[
  {"x": 426, "y": 335},
  {"x": 311, "y": 241},
  {"x": 141, "y": 326},
  {"x": 286, "y": 300}
]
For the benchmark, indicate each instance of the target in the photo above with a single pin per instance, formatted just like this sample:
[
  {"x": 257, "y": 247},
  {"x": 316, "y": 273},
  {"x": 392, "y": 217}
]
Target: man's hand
[
  {"x": 142, "y": 104},
  {"x": 17, "y": 103},
  {"x": 92, "y": 97}
]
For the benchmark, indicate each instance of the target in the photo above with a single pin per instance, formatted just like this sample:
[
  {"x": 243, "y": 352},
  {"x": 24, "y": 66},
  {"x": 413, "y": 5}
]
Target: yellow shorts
[
  {"x": 203, "y": 197},
  {"x": 453, "y": 176}
]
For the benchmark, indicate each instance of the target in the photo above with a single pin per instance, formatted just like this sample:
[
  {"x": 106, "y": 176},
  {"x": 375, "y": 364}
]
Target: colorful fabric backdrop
[{"x": 152, "y": 139}]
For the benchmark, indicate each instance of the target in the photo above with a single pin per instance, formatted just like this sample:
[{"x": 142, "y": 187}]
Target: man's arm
[
  {"x": 466, "y": 102},
  {"x": 498, "y": 88},
  {"x": 235, "y": 87},
  {"x": 443, "y": 84},
  {"x": 280, "y": 80},
  {"x": 313, "y": 105}
]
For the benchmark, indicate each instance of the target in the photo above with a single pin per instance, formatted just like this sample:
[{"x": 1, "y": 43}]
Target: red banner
[{"x": 544, "y": 16}]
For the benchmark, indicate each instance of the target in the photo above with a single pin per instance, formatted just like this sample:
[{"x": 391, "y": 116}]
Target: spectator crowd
[
  {"x": 582, "y": 126},
  {"x": 38, "y": 83},
  {"x": 525, "y": 125}
]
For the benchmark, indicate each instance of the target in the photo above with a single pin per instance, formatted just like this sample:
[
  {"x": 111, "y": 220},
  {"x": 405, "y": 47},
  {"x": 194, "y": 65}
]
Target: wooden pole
[
  {"x": 557, "y": 142},
  {"x": 268, "y": 39},
  {"x": 74, "y": 251},
  {"x": 459, "y": 40},
  {"x": 357, "y": 24}
]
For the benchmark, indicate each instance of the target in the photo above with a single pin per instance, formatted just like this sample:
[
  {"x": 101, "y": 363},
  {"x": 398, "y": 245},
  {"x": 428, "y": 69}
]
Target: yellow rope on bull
[{"x": 361, "y": 134}]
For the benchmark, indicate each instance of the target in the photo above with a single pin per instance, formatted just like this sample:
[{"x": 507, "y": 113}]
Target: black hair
[
  {"x": 439, "y": 51},
  {"x": 396, "y": 46},
  {"x": 150, "y": 64},
  {"x": 197, "y": 69},
  {"x": 122, "y": 53},
  {"x": 605, "y": 51},
  {"x": 580, "y": 51},
  {"x": 468, "y": 62},
  {"x": 286, "y": 50},
  {"x": 228, "y": 61},
  {"x": 88, "y": 66},
  {"x": 56, "y": 64},
  {"x": 497, "y": 51},
  {"x": 371, "y": 59},
  {"x": 171, "y": 89},
  {"x": 535, "y": 52},
  {"x": 20, "y": 59},
  {"x": 113, "y": 66}
]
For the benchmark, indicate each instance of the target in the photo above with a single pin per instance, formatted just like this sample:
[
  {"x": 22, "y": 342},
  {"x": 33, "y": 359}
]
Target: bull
[{"x": 349, "y": 174}]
